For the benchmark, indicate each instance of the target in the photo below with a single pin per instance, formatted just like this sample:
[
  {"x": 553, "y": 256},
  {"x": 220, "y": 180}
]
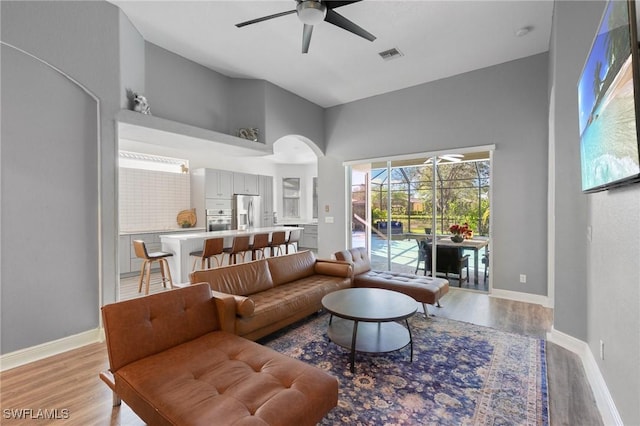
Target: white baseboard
[
  {"x": 521, "y": 297},
  {"x": 44, "y": 350},
  {"x": 606, "y": 406}
]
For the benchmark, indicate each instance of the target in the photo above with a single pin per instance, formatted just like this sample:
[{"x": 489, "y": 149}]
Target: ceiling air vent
[{"x": 390, "y": 54}]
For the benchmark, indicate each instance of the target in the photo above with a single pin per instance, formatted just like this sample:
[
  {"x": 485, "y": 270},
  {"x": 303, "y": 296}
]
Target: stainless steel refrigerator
[{"x": 246, "y": 212}]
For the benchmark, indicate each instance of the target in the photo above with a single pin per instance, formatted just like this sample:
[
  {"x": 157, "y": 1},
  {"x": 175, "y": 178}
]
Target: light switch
[
  {"x": 326, "y": 208},
  {"x": 328, "y": 219}
]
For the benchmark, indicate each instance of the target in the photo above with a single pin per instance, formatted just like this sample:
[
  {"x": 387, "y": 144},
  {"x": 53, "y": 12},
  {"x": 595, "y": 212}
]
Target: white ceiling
[{"x": 438, "y": 39}]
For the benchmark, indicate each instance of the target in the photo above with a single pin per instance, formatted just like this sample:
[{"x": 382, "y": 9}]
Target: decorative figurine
[
  {"x": 249, "y": 133},
  {"x": 140, "y": 104}
]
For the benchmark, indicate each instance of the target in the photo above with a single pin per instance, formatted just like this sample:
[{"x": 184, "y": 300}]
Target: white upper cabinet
[
  {"x": 244, "y": 183},
  {"x": 219, "y": 184}
]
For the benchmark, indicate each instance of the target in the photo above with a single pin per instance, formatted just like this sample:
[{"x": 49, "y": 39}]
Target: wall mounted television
[{"x": 609, "y": 102}]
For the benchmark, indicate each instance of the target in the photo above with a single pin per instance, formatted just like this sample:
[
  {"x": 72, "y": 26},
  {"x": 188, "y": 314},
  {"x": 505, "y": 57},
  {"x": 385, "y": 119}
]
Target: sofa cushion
[
  {"x": 291, "y": 267},
  {"x": 243, "y": 279},
  {"x": 157, "y": 322},
  {"x": 287, "y": 300},
  {"x": 221, "y": 378},
  {"x": 422, "y": 288},
  {"x": 358, "y": 256}
]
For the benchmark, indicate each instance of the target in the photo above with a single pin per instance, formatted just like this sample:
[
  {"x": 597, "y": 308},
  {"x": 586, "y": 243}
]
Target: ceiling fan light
[{"x": 311, "y": 12}]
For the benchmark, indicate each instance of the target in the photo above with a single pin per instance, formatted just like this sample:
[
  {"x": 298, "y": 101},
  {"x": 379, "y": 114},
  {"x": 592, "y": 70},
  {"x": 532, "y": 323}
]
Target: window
[
  {"x": 137, "y": 160},
  {"x": 291, "y": 197}
]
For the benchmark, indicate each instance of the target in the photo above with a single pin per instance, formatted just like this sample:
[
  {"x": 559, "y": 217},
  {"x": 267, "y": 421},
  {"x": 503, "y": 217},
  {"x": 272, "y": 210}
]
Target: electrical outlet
[
  {"x": 328, "y": 219},
  {"x": 523, "y": 278},
  {"x": 601, "y": 350}
]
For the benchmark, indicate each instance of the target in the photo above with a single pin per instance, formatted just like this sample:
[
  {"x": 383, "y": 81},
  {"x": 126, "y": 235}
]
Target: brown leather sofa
[
  {"x": 174, "y": 360},
  {"x": 269, "y": 294},
  {"x": 423, "y": 289}
]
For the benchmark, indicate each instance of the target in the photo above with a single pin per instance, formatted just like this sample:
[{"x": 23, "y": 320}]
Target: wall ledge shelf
[{"x": 160, "y": 131}]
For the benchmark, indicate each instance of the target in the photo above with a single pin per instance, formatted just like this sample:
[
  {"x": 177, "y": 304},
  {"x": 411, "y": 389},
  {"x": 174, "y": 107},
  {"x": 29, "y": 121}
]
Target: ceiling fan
[
  {"x": 312, "y": 12},
  {"x": 446, "y": 158}
]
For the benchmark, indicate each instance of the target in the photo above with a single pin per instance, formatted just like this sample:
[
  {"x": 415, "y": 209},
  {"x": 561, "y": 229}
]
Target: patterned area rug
[{"x": 461, "y": 374}]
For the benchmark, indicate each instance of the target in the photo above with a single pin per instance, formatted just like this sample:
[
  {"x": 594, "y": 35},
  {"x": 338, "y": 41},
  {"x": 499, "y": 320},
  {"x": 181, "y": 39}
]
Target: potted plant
[{"x": 460, "y": 232}]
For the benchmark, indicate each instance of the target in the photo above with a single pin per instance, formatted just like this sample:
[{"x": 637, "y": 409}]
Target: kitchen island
[{"x": 183, "y": 243}]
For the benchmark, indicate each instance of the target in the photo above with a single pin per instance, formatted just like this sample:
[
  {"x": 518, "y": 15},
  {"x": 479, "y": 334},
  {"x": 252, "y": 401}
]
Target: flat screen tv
[{"x": 609, "y": 101}]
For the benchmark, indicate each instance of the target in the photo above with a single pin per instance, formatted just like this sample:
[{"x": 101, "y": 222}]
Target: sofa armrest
[
  {"x": 335, "y": 268},
  {"x": 226, "y": 305},
  {"x": 244, "y": 306}
]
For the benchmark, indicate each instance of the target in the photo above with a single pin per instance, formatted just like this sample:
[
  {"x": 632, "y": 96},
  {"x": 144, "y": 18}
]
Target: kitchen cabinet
[
  {"x": 265, "y": 191},
  {"x": 219, "y": 184},
  {"x": 210, "y": 186},
  {"x": 245, "y": 183},
  {"x": 124, "y": 253},
  {"x": 309, "y": 236}
]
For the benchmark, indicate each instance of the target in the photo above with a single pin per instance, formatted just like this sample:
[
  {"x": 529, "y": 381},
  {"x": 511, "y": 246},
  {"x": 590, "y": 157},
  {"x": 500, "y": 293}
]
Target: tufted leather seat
[
  {"x": 422, "y": 288},
  {"x": 172, "y": 363}
]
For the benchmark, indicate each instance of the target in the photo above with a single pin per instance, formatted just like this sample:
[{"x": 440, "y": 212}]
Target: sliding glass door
[{"x": 398, "y": 204}]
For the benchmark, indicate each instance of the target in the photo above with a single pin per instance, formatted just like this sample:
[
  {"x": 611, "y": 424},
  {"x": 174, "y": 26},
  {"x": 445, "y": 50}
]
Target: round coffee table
[{"x": 368, "y": 320}]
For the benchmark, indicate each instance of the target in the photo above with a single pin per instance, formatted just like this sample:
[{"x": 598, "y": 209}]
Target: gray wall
[
  {"x": 289, "y": 114},
  {"x": 597, "y": 287},
  {"x": 181, "y": 90},
  {"x": 50, "y": 204},
  {"x": 81, "y": 39},
  {"x": 132, "y": 60},
  {"x": 505, "y": 105},
  {"x": 247, "y": 105}
]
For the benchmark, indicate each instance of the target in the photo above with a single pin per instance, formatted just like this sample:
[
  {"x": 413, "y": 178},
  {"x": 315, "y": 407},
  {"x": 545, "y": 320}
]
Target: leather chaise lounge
[
  {"x": 426, "y": 290},
  {"x": 174, "y": 360}
]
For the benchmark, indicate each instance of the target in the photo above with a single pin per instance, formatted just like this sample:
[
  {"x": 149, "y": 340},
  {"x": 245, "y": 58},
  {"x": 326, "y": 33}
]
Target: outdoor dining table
[{"x": 474, "y": 244}]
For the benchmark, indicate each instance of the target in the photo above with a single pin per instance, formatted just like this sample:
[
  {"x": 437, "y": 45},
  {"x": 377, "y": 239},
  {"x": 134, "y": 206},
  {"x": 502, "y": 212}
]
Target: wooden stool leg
[
  {"x": 141, "y": 277},
  {"x": 164, "y": 280},
  {"x": 148, "y": 266},
  {"x": 168, "y": 271}
]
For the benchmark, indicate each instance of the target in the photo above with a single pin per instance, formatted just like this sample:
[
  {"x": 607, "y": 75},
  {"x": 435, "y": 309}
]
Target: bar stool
[
  {"x": 260, "y": 242},
  {"x": 277, "y": 240},
  {"x": 210, "y": 249},
  {"x": 240, "y": 246},
  {"x": 158, "y": 256},
  {"x": 294, "y": 238}
]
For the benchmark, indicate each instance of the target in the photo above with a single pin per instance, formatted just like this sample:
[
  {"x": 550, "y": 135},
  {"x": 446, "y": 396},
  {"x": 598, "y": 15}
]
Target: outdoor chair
[{"x": 449, "y": 260}]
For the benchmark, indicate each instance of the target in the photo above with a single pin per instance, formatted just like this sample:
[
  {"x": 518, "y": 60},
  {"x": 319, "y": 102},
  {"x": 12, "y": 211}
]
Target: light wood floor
[{"x": 70, "y": 380}]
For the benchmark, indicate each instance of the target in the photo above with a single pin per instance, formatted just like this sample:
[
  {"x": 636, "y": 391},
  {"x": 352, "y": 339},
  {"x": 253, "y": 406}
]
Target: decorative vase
[{"x": 457, "y": 238}]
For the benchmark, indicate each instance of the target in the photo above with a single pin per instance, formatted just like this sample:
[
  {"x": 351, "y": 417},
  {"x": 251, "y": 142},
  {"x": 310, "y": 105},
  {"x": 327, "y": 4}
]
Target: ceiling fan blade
[
  {"x": 342, "y": 22},
  {"x": 306, "y": 37},
  {"x": 333, "y": 4},
  {"x": 265, "y": 18},
  {"x": 454, "y": 158}
]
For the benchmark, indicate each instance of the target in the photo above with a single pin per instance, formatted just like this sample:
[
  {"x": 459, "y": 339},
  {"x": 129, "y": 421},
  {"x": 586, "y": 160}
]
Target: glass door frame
[{"x": 389, "y": 160}]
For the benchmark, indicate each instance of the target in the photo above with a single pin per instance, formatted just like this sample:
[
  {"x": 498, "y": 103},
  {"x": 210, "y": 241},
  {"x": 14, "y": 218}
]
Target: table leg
[
  {"x": 475, "y": 265},
  {"x": 353, "y": 346},
  {"x": 406, "y": 321}
]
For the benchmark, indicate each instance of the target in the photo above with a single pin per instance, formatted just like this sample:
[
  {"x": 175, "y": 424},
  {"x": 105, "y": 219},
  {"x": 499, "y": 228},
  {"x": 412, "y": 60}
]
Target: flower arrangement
[{"x": 461, "y": 231}]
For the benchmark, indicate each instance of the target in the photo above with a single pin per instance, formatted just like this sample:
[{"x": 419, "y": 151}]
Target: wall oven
[{"x": 219, "y": 219}]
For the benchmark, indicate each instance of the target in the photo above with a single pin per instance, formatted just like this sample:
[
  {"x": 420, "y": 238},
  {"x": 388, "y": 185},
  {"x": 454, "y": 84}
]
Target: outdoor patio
[{"x": 404, "y": 258}]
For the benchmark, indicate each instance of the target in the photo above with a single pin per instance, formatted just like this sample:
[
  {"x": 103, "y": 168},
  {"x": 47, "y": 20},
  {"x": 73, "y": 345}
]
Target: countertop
[
  {"x": 230, "y": 233},
  {"x": 167, "y": 230}
]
